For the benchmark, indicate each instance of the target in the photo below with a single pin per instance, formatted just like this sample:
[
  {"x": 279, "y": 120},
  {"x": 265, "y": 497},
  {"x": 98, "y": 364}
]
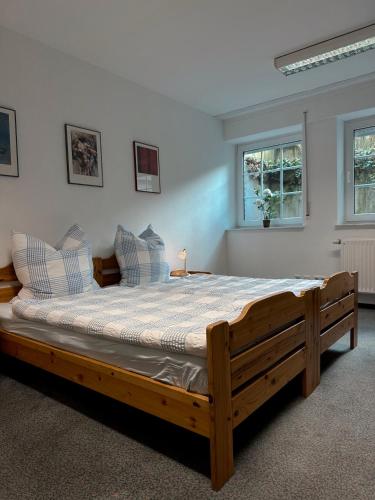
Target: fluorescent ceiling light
[{"x": 334, "y": 49}]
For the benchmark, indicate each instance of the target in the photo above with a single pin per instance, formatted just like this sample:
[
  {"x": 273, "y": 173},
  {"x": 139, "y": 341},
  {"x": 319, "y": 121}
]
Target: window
[
  {"x": 275, "y": 169},
  {"x": 360, "y": 170}
]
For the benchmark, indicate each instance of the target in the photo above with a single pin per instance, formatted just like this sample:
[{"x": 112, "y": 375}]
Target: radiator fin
[{"x": 359, "y": 255}]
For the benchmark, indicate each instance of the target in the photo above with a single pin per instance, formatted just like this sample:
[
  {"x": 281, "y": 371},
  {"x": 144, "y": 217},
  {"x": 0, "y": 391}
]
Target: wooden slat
[
  {"x": 336, "y": 311},
  {"x": 334, "y": 333},
  {"x": 171, "y": 403},
  {"x": 336, "y": 286},
  {"x": 250, "y": 363},
  {"x": 254, "y": 395},
  {"x": 7, "y": 273},
  {"x": 220, "y": 399},
  {"x": 311, "y": 374},
  {"x": 354, "y": 329},
  {"x": 264, "y": 316}
]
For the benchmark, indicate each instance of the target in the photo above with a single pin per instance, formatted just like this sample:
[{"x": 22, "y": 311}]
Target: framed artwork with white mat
[{"x": 84, "y": 156}]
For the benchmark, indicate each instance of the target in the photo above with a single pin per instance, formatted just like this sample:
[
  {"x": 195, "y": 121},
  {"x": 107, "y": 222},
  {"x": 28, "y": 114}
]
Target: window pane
[
  {"x": 271, "y": 180},
  {"x": 252, "y": 172},
  {"x": 252, "y": 161},
  {"x": 275, "y": 208},
  {"x": 251, "y": 212},
  {"x": 292, "y": 155},
  {"x": 364, "y": 170},
  {"x": 364, "y": 200},
  {"x": 364, "y": 141},
  {"x": 292, "y": 205},
  {"x": 292, "y": 180},
  {"x": 271, "y": 159}
]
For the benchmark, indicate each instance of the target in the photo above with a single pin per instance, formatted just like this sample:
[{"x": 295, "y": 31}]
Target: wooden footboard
[
  {"x": 338, "y": 299},
  {"x": 252, "y": 358}
]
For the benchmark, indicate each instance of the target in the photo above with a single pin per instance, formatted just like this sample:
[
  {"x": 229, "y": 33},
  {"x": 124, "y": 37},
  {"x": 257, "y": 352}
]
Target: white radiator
[{"x": 359, "y": 255}]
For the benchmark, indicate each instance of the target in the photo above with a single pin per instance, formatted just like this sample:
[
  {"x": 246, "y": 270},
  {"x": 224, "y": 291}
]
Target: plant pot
[{"x": 266, "y": 222}]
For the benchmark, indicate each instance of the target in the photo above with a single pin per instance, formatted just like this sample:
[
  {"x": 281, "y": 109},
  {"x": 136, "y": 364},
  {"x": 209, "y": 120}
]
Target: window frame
[
  {"x": 349, "y": 197},
  {"x": 274, "y": 142}
]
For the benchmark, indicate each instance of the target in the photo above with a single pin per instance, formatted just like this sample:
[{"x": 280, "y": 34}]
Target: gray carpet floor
[{"x": 60, "y": 441}]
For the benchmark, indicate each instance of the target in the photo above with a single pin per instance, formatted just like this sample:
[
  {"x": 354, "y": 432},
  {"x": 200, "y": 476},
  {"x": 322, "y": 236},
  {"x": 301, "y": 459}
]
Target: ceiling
[{"x": 215, "y": 55}]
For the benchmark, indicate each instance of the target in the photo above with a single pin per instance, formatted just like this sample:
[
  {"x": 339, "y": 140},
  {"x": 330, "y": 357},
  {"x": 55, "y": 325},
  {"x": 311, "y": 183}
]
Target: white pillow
[
  {"x": 141, "y": 259},
  {"x": 46, "y": 272}
]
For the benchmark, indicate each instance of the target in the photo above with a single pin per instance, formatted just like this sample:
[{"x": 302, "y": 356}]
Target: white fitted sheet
[{"x": 181, "y": 370}]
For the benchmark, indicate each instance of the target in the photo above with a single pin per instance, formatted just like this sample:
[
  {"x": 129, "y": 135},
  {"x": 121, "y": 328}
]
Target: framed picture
[
  {"x": 8, "y": 143},
  {"x": 84, "y": 156},
  {"x": 147, "y": 169}
]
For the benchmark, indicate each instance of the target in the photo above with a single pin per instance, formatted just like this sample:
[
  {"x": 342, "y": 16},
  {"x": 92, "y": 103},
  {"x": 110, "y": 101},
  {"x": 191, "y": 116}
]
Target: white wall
[
  {"x": 283, "y": 252},
  {"x": 48, "y": 89}
]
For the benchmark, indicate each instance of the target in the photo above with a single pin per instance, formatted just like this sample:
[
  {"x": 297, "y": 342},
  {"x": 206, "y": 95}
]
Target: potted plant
[{"x": 264, "y": 205}]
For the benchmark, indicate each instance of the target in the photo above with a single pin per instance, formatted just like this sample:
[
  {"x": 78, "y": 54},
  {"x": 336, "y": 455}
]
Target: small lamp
[{"x": 182, "y": 255}]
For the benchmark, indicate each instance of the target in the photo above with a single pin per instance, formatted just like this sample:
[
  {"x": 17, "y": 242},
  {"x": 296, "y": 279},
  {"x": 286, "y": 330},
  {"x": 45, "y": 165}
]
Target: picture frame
[
  {"x": 8, "y": 143},
  {"x": 84, "y": 156},
  {"x": 146, "y": 168}
]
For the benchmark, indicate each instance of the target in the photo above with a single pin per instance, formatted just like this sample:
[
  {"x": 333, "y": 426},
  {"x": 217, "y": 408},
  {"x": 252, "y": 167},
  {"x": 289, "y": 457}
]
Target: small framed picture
[
  {"x": 84, "y": 156},
  {"x": 8, "y": 143},
  {"x": 147, "y": 169}
]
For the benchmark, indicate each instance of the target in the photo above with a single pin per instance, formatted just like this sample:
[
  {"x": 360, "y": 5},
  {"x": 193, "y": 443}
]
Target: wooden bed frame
[{"x": 249, "y": 359}]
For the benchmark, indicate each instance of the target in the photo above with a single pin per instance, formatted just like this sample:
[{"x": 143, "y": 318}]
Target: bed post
[
  {"x": 354, "y": 330},
  {"x": 220, "y": 401},
  {"x": 311, "y": 374}
]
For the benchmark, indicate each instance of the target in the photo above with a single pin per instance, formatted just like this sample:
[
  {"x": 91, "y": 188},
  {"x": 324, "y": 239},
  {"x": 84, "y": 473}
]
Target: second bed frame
[{"x": 248, "y": 360}]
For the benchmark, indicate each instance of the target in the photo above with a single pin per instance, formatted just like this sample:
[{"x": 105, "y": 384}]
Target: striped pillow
[
  {"x": 46, "y": 272},
  {"x": 141, "y": 259}
]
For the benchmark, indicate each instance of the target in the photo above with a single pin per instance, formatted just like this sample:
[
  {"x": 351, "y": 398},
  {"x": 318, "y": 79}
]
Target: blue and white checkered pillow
[
  {"x": 46, "y": 272},
  {"x": 141, "y": 259}
]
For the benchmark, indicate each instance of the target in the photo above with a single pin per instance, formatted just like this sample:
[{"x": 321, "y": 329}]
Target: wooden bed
[{"x": 248, "y": 360}]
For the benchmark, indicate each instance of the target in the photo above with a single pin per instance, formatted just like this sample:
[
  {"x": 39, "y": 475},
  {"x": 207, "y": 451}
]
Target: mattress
[
  {"x": 158, "y": 330},
  {"x": 182, "y": 370},
  {"x": 171, "y": 317}
]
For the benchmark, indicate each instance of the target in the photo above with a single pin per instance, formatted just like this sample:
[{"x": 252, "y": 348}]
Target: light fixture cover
[{"x": 335, "y": 49}]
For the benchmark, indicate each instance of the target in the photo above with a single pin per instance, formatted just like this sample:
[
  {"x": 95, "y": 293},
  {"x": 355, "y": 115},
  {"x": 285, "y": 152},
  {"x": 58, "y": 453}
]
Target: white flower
[
  {"x": 259, "y": 203},
  {"x": 267, "y": 192}
]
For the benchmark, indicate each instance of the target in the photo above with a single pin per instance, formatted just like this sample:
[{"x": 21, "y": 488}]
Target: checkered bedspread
[{"x": 168, "y": 316}]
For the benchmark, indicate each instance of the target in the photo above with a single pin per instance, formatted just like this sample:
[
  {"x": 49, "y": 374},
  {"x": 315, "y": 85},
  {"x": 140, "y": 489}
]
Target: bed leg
[
  {"x": 311, "y": 374},
  {"x": 220, "y": 398},
  {"x": 353, "y": 338},
  {"x": 354, "y": 330}
]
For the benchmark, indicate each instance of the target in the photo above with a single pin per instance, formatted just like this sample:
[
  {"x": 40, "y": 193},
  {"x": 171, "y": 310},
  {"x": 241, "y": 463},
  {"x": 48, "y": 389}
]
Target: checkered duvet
[{"x": 168, "y": 316}]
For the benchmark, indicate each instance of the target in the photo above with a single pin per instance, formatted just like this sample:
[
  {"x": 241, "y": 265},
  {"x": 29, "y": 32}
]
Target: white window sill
[
  {"x": 356, "y": 225},
  {"x": 271, "y": 228}
]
